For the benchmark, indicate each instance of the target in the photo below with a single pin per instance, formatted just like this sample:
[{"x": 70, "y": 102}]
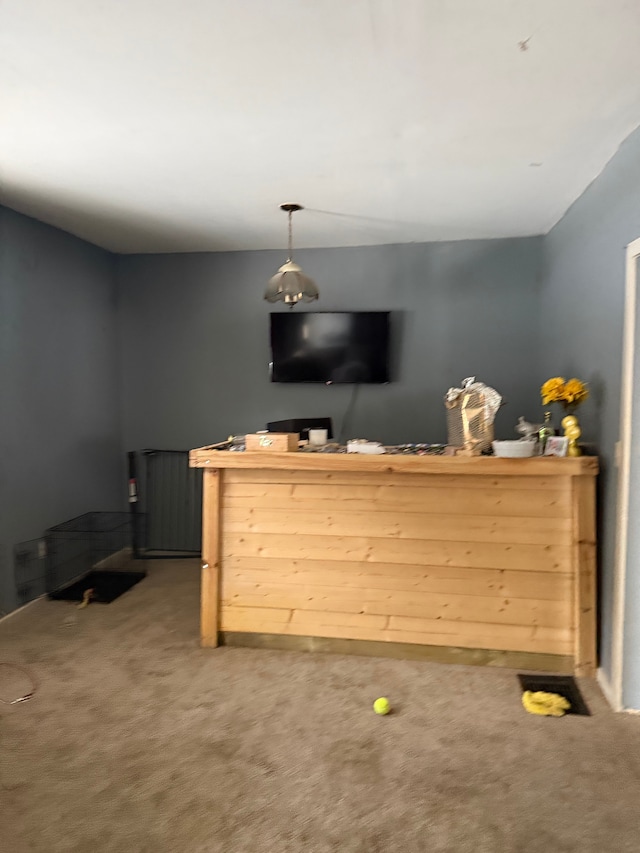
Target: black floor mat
[
  {"x": 563, "y": 685},
  {"x": 106, "y": 586}
]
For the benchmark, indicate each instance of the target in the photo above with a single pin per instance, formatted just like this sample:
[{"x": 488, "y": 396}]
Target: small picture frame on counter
[{"x": 556, "y": 445}]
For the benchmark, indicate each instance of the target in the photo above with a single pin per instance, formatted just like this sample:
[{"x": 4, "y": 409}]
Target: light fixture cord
[{"x": 290, "y": 236}]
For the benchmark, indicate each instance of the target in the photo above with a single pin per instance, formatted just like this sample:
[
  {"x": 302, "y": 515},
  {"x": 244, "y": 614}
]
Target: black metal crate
[
  {"x": 29, "y": 569},
  {"x": 92, "y": 540}
]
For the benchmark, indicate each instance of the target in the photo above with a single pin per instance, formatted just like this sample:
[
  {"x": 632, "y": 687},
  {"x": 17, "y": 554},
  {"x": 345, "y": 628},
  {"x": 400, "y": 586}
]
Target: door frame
[{"x": 623, "y": 459}]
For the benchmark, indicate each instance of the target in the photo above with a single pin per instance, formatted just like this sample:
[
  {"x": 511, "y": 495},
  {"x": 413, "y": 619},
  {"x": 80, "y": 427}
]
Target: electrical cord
[
  {"x": 342, "y": 439},
  {"x": 26, "y": 696}
]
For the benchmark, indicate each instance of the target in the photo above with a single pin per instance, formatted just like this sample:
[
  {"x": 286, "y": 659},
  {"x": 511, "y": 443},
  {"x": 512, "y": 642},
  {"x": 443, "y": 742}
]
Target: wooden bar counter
[{"x": 476, "y": 560}]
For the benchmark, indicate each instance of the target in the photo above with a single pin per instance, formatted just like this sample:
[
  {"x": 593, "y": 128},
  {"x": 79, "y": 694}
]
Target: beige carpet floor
[{"x": 138, "y": 740}]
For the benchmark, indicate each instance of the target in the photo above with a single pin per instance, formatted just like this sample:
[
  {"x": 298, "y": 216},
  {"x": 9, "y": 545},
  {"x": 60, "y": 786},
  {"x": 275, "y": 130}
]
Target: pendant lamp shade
[{"x": 290, "y": 285}]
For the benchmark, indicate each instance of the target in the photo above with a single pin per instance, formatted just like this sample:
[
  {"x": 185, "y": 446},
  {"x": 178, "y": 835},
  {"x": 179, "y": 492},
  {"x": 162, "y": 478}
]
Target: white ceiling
[{"x": 180, "y": 125}]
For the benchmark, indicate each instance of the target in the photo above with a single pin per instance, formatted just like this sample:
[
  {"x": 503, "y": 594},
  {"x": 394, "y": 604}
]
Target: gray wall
[
  {"x": 196, "y": 349},
  {"x": 60, "y": 450},
  {"x": 582, "y": 309}
]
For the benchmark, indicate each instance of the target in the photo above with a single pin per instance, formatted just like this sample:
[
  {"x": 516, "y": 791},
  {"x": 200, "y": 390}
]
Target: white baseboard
[{"x": 605, "y": 686}]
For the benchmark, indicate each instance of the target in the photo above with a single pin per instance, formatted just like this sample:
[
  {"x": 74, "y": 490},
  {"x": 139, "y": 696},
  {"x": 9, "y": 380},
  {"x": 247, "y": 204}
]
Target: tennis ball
[{"x": 382, "y": 706}]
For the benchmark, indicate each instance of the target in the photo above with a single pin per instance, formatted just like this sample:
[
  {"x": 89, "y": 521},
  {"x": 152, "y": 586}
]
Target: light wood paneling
[
  {"x": 470, "y": 608},
  {"x": 261, "y": 573},
  {"x": 271, "y": 615},
  {"x": 400, "y": 525},
  {"x": 441, "y": 500},
  {"x": 543, "y": 558},
  {"x": 359, "y": 478}
]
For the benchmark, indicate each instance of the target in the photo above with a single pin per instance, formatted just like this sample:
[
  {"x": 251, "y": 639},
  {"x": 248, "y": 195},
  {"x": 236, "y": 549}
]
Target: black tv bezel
[{"x": 386, "y": 381}]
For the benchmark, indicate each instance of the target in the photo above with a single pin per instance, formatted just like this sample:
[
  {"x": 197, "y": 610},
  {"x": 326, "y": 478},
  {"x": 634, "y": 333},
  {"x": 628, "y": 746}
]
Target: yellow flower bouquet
[{"x": 570, "y": 393}]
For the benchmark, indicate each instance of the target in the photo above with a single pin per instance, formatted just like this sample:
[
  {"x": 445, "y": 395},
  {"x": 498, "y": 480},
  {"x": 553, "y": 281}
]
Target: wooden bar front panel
[{"x": 434, "y": 559}]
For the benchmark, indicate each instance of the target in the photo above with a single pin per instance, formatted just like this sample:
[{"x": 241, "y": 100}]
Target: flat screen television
[{"x": 330, "y": 347}]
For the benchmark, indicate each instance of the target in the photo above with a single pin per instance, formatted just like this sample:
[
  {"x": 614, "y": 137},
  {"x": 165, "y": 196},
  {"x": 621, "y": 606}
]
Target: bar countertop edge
[{"x": 547, "y": 466}]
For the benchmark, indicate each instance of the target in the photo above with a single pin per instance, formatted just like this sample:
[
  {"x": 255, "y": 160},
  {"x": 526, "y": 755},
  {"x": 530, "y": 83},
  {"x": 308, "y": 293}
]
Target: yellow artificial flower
[
  {"x": 553, "y": 390},
  {"x": 575, "y": 391},
  {"x": 557, "y": 390}
]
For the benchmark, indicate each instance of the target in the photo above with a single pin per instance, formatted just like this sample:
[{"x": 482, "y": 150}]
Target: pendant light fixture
[{"x": 290, "y": 285}]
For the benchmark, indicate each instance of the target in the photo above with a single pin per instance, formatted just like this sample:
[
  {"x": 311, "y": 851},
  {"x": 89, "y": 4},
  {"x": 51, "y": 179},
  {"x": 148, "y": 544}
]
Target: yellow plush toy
[{"x": 545, "y": 704}]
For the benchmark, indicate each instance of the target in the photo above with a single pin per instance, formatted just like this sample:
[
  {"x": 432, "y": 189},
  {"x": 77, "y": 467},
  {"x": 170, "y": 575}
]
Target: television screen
[{"x": 323, "y": 346}]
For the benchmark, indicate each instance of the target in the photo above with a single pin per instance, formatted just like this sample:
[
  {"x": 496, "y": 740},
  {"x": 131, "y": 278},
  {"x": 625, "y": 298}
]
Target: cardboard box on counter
[{"x": 280, "y": 442}]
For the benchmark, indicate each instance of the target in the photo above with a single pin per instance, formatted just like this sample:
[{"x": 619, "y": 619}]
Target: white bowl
[{"x": 513, "y": 449}]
